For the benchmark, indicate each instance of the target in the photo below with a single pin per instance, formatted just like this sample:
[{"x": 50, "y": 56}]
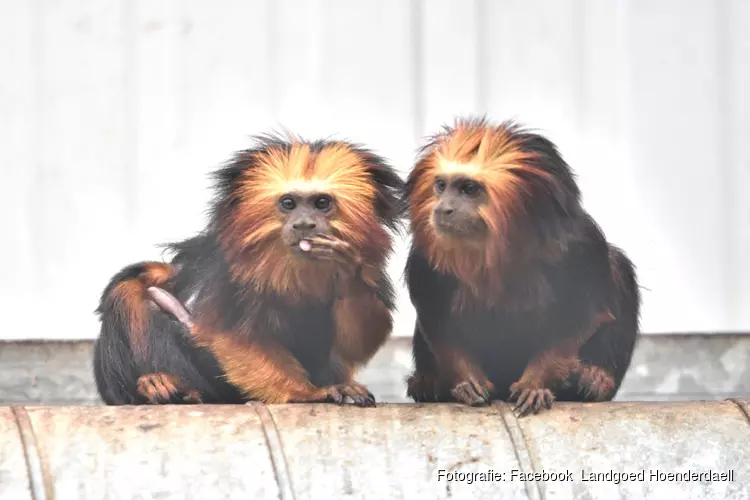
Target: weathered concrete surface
[
  {"x": 665, "y": 367},
  {"x": 633, "y": 437},
  {"x": 13, "y": 466},
  {"x": 47, "y": 372},
  {"x": 389, "y": 452}
]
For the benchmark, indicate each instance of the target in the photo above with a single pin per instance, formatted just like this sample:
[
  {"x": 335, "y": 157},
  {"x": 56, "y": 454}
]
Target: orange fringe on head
[
  {"x": 249, "y": 227},
  {"x": 497, "y": 156}
]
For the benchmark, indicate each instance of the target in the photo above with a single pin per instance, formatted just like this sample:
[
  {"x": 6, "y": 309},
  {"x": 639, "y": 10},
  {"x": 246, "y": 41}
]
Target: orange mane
[
  {"x": 249, "y": 229},
  {"x": 508, "y": 162}
]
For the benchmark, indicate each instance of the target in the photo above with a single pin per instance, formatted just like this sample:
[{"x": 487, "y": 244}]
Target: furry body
[
  {"x": 268, "y": 322},
  {"x": 523, "y": 297}
]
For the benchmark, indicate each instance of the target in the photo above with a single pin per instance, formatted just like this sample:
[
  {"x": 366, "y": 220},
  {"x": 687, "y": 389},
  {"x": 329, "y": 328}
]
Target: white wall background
[{"x": 112, "y": 112}]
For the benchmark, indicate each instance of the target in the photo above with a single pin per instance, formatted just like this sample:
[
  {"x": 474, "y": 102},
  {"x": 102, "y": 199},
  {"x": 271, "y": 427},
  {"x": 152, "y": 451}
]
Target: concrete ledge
[
  {"x": 665, "y": 368},
  {"x": 391, "y": 451}
]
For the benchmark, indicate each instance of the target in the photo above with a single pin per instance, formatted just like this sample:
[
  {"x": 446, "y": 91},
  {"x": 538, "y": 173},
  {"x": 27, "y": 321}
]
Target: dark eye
[
  {"x": 323, "y": 203},
  {"x": 470, "y": 189},
  {"x": 440, "y": 185},
  {"x": 287, "y": 203}
]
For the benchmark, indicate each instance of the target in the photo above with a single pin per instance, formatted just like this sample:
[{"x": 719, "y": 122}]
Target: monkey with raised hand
[
  {"x": 279, "y": 299},
  {"x": 518, "y": 294}
]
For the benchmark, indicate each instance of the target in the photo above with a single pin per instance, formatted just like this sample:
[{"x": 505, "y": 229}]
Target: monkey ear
[{"x": 389, "y": 203}]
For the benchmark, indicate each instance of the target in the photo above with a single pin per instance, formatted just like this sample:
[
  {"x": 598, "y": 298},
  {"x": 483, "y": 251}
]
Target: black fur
[
  {"x": 202, "y": 273},
  {"x": 116, "y": 368},
  {"x": 554, "y": 277}
]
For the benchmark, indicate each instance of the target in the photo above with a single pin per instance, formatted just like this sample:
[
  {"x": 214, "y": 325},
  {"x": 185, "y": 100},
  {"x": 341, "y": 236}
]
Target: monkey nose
[
  {"x": 304, "y": 225},
  {"x": 446, "y": 210}
]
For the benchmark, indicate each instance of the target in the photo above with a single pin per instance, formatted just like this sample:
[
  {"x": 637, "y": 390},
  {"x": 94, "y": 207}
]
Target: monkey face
[
  {"x": 288, "y": 210},
  {"x": 457, "y": 211},
  {"x": 303, "y": 216}
]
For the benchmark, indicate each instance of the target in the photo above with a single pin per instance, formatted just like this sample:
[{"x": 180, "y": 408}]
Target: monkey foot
[
  {"x": 163, "y": 388},
  {"x": 530, "y": 399},
  {"x": 595, "y": 384},
  {"x": 423, "y": 388},
  {"x": 358, "y": 393},
  {"x": 473, "y": 392}
]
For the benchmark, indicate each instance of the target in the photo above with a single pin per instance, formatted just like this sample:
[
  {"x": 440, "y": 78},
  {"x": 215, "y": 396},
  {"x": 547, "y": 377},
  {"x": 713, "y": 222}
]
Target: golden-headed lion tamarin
[
  {"x": 518, "y": 294},
  {"x": 279, "y": 299}
]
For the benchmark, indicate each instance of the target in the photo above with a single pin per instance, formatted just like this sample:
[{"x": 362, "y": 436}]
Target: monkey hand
[
  {"x": 474, "y": 391},
  {"x": 350, "y": 263},
  {"x": 358, "y": 393},
  {"x": 328, "y": 247},
  {"x": 530, "y": 397}
]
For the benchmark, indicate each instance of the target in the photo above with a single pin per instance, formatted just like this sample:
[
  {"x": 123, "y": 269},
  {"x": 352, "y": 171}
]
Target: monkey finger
[
  {"x": 169, "y": 304},
  {"x": 515, "y": 390},
  {"x": 328, "y": 254},
  {"x": 325, "y": 236},
  {"x": 340, "y": 246},
  {"x": 161, "y": 388},
  {"x": 346, "y": 264},
  {"x": 465, "y": 393},
  {"x": 329, "y": 241},
  {"x": 532, "y": 401},
  {"x": 595, "y": 384},
  {"x": 481, "y": 389},
  {"x": 192, "y": 397},
  {"x": 523, "y": 396},
  {"x": 539, "y": 400},
  {"x": 523, "y": 409},
  {"x": 526, "y": 403},
  {"x": 359, "y": 395},
  {"x": 549, "y": 398},
  {"x": 587, "y": 392},
  {"x": 322, "y": 252},
  {"x": 332, "y": 256},
  {"x": 335, "y": 395}
]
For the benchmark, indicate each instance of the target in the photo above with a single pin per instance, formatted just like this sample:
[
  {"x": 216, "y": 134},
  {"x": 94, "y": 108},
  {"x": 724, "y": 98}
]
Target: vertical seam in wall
[
  {"x": 725, "y": 157},
  {"x": 417, "y": 68},
  {"x": 275, "y": 450},
  {"x": 130, "y": 112},
  {"x": 480, "y": 47},
  {"x": 39, "y": 480},
  {"x": 181, "y": 81},
  {"x": 33, "y": 207},
  {"x": 580, "y": 34},
  {"x": 273, "y": 39},
  {"x": 521, "y": 449}
]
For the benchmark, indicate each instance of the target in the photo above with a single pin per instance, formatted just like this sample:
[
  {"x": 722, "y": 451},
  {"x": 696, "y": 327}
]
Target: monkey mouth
[
  {"x": 451, "y": 231},
  {"x": 457, "y": 229},
  {"x": 301, "y": 248}
]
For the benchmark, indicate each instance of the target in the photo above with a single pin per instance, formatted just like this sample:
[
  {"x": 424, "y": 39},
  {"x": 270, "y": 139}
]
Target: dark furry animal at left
[{"x": 280, "y": 299}]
